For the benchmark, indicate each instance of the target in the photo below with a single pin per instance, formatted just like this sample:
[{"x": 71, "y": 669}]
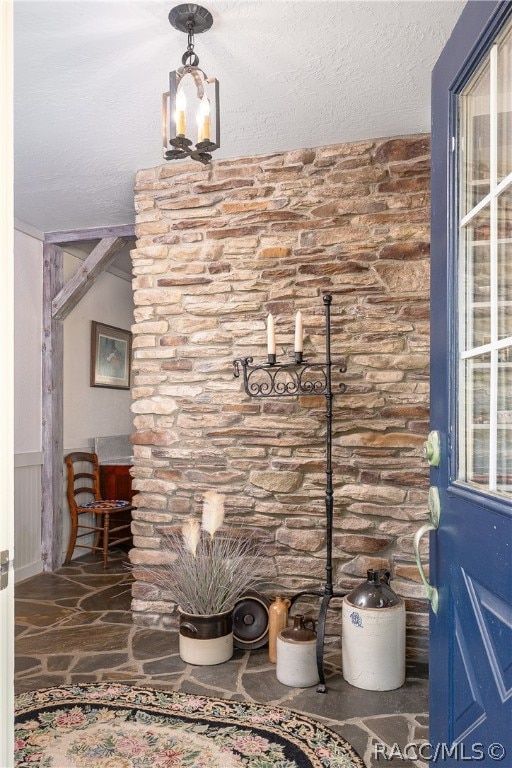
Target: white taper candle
[
  {"x": 298, "y": 332},
  {"x": 271, "y": 336}
]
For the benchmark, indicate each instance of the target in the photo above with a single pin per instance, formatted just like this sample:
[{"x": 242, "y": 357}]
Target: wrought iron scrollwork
[{"x": 284, "y": 380}]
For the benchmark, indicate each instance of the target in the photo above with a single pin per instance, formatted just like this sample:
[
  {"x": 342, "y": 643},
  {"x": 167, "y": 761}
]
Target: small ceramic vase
[{"x": 277, "y": 620}]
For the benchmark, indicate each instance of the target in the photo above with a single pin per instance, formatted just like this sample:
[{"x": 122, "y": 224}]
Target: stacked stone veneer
[{"x": 218, "y": 248}]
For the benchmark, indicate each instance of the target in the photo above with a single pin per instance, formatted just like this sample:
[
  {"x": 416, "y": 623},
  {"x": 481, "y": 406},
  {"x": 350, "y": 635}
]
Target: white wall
[
  {"x": 28, "y": 303},
  {"x": 88, "y": 411},
  {"x": 28, "y": 276}
]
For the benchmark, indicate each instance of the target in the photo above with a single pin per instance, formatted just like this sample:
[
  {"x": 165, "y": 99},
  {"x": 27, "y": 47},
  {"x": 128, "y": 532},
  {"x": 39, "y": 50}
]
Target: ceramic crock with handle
[
  {"x": 296, "y": 654},
  {"x": 206, "y": 640},
  {"x": 373, "y": 635}
]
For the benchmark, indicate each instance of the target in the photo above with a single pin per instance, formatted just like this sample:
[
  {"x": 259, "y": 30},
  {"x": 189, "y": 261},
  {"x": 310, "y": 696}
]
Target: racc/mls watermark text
[{"x": 416, "y": 750}]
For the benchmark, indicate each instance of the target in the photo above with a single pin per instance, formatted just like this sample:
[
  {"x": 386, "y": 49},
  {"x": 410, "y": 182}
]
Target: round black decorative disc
[
  {"x": 250, "y": 621},
  {"x": 182, "y": 15}
]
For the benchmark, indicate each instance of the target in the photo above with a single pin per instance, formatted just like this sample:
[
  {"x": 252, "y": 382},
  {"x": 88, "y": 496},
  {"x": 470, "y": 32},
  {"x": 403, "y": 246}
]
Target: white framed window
[{"x": 485, "y": 273}]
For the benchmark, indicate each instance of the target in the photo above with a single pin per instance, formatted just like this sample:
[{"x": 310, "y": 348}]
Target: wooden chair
[{"x": 84, "y": 498}]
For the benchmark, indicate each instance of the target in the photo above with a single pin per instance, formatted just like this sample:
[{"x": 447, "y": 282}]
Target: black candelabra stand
[{"x": 273, "y": 379}]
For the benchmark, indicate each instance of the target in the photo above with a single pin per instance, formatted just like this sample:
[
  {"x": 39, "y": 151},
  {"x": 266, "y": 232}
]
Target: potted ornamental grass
[{"x": 209, "y": 569}]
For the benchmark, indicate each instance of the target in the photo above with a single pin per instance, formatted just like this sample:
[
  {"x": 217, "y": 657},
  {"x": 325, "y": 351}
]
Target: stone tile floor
[{"x": 75, "y": 625}]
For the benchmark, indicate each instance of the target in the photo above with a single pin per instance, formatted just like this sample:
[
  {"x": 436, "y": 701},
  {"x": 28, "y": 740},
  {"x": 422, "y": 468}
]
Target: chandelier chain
[
  {"x": 190, "y": 58},
  {"x": 190, "y": 39}
]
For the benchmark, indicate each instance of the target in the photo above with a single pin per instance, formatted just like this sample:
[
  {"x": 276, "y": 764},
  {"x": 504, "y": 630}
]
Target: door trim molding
[{"x": 474, "y": 496}]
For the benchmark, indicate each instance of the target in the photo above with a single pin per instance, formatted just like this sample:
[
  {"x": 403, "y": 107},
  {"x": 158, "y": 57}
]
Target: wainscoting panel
[{"x": 27, "y": 515}]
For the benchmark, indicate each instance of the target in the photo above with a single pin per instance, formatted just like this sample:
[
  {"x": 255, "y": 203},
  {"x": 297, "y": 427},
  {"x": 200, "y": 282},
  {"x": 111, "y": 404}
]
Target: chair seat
[{"x": 105, "y": 504}]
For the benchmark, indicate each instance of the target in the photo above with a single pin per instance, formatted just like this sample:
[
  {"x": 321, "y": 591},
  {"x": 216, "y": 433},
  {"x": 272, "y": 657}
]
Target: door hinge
[{"x": 4, "y": 569}]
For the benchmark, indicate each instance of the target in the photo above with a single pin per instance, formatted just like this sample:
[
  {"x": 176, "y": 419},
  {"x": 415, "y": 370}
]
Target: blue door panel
[
  {"x": 495, "y": 622},
  {"x": 471, "y": 649},
  {"x": 482, "y": 588},
  {"x": 468, "y": 707}
]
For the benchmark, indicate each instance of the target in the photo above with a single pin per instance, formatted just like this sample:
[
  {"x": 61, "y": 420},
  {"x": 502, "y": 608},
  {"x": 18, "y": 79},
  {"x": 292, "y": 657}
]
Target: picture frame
[{"x": 111, "y": 356}]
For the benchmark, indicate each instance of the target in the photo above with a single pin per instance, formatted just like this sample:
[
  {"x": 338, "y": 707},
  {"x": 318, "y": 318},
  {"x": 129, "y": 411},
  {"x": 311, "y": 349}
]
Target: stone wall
[{"x": 218, "y": 248}]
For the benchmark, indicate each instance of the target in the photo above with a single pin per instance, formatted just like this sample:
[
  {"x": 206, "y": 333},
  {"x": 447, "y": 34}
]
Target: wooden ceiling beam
[
  {"x": 99, "y": 233},
  {"x": 82, "y": 281}
]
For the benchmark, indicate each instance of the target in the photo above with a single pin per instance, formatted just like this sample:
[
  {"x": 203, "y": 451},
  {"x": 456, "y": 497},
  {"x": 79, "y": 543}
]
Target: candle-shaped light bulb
[
  {"x": 200, "y": 126},
  {"x": 298, "y": 332},
  {"x": 203, "y": 120},
  {"x": 271, "y": 336},
  {"x": 181, "y": 108}
]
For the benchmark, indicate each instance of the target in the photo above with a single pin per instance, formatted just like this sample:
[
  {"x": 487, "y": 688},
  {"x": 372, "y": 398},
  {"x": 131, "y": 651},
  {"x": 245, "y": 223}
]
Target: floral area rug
[{"x": 106, "y": 725}]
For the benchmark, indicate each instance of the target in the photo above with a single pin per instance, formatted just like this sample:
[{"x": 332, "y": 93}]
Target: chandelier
[{"x": 190, "y": 108}]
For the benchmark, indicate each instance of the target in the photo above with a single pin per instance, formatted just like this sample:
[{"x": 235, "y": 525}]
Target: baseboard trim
[{"x": 26, "y": 571}]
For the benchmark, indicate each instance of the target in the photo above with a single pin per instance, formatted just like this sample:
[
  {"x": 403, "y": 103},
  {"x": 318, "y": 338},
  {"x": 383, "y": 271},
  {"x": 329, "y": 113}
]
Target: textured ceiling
[{"x": 89, "y": 77}]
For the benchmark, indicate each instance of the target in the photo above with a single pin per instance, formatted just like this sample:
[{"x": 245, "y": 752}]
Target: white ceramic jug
[
  {"x": 296, "y": 654},
  {"x": 373, "y": 635}
]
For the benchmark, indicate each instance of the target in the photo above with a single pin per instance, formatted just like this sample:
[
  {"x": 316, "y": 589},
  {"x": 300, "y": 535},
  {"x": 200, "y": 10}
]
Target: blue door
[{"x": 471, "y": 392}]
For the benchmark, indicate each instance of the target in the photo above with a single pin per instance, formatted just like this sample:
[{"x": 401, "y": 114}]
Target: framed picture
[{"x": 111, "y": 356}]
